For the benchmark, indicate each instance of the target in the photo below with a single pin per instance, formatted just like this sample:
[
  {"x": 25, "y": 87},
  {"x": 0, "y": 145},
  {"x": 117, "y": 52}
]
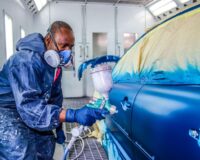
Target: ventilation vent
[
  {"x": 30, "y": 5},
  {"x": 177, "y": 9}
]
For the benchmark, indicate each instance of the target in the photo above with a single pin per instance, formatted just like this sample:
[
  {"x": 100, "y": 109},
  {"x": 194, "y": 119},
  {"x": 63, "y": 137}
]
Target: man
[{"x": 31, "y": 96}]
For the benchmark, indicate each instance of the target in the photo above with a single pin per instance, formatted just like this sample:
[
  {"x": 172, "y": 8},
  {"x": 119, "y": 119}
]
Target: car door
[
  {"x": 122, "y": 96},
  {"x": 166, "y": 121}
]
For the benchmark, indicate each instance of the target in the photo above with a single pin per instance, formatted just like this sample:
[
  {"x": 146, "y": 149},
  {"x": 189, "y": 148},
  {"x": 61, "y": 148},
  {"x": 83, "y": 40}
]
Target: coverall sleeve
[{"x": 34, "y": 110}]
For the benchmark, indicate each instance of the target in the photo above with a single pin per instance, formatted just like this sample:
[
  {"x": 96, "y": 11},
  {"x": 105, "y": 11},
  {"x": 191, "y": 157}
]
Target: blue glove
[
  {"x": 85, "y": 116},
  {"x": 60, "y": 136}
]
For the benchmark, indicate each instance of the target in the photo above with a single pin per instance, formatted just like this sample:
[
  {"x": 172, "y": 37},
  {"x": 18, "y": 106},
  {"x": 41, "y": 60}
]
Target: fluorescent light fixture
[
  {"x": 184, "y": 1},
  {"x": 8, "y": 36},
  {"x": 162, "y": 6},
  {"x": 40, "y": 4}
]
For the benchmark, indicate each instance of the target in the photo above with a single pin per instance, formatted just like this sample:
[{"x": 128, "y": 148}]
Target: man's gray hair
[{"x": 57, "y": 25}]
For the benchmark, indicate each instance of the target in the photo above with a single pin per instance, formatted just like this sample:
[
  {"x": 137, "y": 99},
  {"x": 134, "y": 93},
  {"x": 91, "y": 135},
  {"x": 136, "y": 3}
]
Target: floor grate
[{"x": 93, "y": 149}]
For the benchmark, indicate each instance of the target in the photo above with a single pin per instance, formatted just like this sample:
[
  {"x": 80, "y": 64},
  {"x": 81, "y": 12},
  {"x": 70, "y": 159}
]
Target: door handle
[
  {"x": 195, "y": 133},
  {"x": 125, "y": 104},
  {"x": 87, "y": 50},
  {"x": 119, "y": 49},
  {"x": 81, "y": 51}
]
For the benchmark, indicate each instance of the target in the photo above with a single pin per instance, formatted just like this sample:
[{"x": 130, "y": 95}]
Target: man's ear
[{"x": 47, "y": 40}]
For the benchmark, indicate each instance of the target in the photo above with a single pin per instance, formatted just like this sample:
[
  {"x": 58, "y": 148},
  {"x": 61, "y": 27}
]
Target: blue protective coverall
[{"x": 30, "y": 103}]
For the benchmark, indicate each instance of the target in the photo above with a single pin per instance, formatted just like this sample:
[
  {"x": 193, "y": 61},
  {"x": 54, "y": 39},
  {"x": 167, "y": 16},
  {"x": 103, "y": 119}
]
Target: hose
[
  {"x": 71, "y": 142},
  {"x": 66, "y": 150}
]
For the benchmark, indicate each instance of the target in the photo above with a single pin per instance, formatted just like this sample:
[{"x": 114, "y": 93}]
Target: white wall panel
[
  {"x": 99, "y": 18},
  {"x": 132, "y": 19},
  {"x": 20, "y": 17}
]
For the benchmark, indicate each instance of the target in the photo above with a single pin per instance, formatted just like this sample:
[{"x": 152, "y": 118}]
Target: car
[{"x": 157, "y": 93}]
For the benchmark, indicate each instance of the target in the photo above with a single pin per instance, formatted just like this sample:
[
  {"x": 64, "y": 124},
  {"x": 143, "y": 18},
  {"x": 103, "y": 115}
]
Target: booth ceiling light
[
  {"x": 40, "y": 4},
  {"x": 162, "y": 6},
  {"x": 184, "y": 1}
]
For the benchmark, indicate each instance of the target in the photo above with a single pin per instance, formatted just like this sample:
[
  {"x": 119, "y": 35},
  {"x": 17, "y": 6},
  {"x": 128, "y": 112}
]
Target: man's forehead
[{"x": 64, "y": 35}]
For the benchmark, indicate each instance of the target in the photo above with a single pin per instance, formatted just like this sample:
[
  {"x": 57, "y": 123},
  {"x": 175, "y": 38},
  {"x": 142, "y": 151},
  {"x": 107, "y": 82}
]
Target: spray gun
[{"x": 102, "y": 80}]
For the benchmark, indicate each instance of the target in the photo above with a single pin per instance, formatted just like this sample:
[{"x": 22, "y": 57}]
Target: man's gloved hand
[
  {"x": 85, "y": 116},
  {"x": 60, "y": 136}
]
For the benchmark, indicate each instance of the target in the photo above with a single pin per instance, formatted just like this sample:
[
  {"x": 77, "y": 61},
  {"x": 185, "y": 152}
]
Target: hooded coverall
[{"x": 30, "y": 103}]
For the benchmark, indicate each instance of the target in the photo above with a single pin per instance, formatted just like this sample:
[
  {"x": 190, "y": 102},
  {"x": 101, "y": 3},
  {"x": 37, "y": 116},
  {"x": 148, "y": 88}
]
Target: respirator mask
[{"x": 58, "y": 58}]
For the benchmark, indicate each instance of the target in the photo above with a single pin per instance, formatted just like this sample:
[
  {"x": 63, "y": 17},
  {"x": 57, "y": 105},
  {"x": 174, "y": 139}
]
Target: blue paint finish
[
  {"x": 83, "y": 67},
  {"x": 113, "y": 148},
  {"x": 94, "y": 62},
  {"x": 161, "y": 118},
  {"x": 119, "y": 145},
  {"x": 191, "y": 75},
  {"x": 117, "y": 98},
  {"x": 164, "y": 110},
  {"x": 105, "y": 59}
]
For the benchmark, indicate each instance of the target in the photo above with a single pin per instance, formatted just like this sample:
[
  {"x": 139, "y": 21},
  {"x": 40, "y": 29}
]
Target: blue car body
[
  {"x": 158, "y": 110},
  {"x": 157, "y": 122}
]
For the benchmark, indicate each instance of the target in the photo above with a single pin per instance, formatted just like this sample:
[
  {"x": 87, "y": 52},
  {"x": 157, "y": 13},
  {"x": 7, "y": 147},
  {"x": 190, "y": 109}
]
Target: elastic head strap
[{"x": 52, "y": 37}]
